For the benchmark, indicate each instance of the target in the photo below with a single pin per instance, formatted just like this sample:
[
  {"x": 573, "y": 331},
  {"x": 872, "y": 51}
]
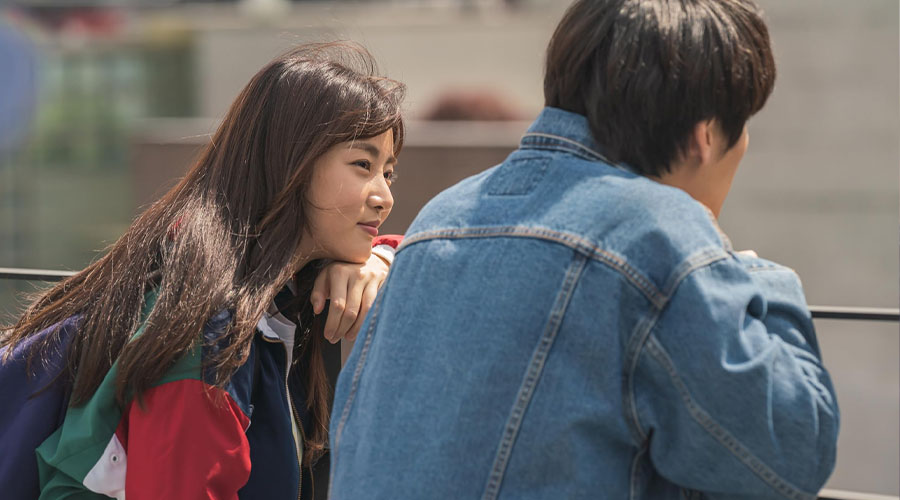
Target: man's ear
[{"x": 702, "y": 146}]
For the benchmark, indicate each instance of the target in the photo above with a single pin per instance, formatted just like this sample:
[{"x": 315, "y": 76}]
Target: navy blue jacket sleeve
[{"x": 33, "y": 405}]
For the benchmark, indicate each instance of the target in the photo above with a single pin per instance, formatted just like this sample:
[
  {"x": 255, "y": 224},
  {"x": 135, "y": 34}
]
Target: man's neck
[{"x": 709, "y": 192}]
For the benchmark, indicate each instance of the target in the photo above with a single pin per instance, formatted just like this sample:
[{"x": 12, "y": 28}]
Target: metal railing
[
  {"x": 855, "y": 313},
  {"x": 818, "y": 312},
  {"x": 852, "y": 495},
  {"x": 14, "y": 273}
]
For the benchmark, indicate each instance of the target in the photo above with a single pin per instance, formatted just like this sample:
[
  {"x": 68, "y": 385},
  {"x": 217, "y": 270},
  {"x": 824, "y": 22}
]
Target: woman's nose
[{"x": 381, "y": 197}]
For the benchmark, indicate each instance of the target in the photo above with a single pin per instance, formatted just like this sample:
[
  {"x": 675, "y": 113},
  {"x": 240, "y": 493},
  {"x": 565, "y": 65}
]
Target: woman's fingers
[
  {"x": 351, "y": 288},
  {"x": 353, "y": 311},
  {"x": 320, "y": 292},
  {"x": 337, "y": 283},
  {"x": 368, "y": 297}
]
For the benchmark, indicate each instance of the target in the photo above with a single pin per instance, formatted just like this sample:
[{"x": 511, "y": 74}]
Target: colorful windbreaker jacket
[{"x": 179, "y": 444}]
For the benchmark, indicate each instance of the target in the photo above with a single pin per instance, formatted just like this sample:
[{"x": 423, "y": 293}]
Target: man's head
[{"x": 646, "y": 73}]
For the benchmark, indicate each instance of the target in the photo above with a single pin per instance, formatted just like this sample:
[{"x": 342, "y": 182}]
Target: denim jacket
[{"x": 560, "y": 327}]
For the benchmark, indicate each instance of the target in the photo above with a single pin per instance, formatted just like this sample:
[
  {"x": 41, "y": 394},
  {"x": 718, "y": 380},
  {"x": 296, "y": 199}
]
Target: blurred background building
[{"x": 125, "y": 93}]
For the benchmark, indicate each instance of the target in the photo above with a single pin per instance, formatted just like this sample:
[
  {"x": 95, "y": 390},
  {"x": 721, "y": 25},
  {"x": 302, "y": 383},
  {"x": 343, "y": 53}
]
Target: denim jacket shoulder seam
[
  {"x": 697, "y": 260},
  {"x": 632, "y": 275},
  {"x": 642, "y": 329},
  {"x": 719, "y": 433}
]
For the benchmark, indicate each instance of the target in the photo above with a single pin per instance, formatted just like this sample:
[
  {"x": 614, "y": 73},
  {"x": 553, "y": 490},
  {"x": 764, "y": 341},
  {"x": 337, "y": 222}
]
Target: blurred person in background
[
  {"x": 17, "y": 86},
  {"x": 188, "y": 361},
  {"x": 573, "y": 323},
  {"x": 471, "y": 105}
]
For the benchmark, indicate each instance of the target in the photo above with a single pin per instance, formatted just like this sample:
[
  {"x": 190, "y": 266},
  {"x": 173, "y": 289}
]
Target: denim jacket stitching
[
  {"x": 540, "y": 139},
  {"x": 642, "y": 330},
  {"x": 719, "y": 433},
  {"x": 632, "y": 354},
  {"x": 532, "y": 376},
  {"x": 560, "y": 148},
  {"x": 354, "y": 385},
  {"x": 701, "y": 258},
  {"x": 635, "y": 463},
  {"x": 639, "y": 281}
]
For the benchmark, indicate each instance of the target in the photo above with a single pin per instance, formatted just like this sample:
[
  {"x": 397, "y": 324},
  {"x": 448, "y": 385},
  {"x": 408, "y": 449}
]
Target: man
[{"x": 573, "y": 323}]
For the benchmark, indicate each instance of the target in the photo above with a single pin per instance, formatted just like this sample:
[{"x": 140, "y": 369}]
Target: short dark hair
[{"x": 645, "y": 72}]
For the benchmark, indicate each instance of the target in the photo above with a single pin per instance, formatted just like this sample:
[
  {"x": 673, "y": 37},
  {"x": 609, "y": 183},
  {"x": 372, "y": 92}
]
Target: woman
[{"x": 192, "y": 351}]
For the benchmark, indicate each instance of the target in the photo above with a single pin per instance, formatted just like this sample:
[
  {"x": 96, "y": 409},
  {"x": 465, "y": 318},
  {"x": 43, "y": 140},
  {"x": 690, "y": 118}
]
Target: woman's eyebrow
[{"x": 371, "y": 149}]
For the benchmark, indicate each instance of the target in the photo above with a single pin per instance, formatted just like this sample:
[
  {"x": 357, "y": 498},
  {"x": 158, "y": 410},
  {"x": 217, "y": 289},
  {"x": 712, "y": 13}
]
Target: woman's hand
[{"x": 351, "y": 288}]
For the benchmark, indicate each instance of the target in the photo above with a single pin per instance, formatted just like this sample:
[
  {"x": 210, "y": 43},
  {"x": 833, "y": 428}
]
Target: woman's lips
[{"x": 369, "y": 229}]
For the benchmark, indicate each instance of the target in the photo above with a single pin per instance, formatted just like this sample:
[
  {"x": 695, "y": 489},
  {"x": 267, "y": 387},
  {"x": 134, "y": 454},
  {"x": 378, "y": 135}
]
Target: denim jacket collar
[{"x": 562, "y": 130}]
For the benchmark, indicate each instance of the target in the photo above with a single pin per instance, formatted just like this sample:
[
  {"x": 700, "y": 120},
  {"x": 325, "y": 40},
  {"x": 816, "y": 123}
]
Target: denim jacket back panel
[{"x": 506, "y": 356}]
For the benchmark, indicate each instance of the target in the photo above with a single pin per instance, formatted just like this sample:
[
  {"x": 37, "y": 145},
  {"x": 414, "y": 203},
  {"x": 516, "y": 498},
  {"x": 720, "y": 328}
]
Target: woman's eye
[
  {"x": 366, "y": 164},
  {"x": 390, "y": 176}
]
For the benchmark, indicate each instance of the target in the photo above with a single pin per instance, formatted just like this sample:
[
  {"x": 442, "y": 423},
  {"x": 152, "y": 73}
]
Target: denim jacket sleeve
[{"x": 731, "y": 394}]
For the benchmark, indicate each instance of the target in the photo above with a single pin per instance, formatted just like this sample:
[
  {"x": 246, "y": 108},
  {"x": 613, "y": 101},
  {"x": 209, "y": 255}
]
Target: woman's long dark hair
[{"x": 226, "y": 237}]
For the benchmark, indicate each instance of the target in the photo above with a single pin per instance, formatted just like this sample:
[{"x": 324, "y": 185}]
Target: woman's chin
[{"x": 354, "y": 258}]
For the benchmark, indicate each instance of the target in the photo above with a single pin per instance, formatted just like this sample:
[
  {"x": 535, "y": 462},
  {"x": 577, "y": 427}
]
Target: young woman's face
[{"x": 349, "y": 198}]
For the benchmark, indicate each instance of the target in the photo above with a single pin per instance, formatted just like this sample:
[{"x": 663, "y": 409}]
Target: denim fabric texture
[{"x": 559, "y": 327}]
